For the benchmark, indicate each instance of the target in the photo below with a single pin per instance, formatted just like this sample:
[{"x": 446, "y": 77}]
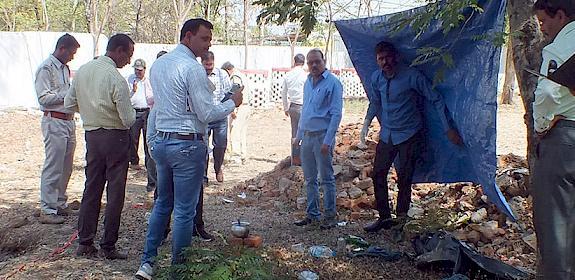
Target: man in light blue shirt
[
  {"x": 182, "y": 109},
  {"x": 396, "y": 97},
  {"x": 320, "y": 118}
]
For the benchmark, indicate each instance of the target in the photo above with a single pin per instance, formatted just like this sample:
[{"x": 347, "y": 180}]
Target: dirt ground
[{"x": 31, "y": 254}]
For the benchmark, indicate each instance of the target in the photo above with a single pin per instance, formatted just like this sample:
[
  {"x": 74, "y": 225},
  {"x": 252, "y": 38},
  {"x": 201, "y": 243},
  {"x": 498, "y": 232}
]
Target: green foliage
[
  {"x": 284, "y": 11},
  {"x": 208, "y": 264}
]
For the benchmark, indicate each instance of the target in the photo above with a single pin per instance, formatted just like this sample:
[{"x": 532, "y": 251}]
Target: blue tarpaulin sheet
[{"x": 469, "y": 90}]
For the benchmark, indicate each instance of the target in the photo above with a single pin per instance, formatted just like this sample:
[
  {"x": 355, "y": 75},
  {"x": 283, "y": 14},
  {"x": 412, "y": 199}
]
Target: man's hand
[
  {"x": 324, "y": 149},
  {"x": 363, "y": 134},
  {"x": 233, "y": 115},
  {"x": 286, "y": 113},
  {"x": 454, "y": 137},
  {"x": 551, "y": 125},
  {"x": 572, "y": 91},
  {"x": 238, "y": 98}
]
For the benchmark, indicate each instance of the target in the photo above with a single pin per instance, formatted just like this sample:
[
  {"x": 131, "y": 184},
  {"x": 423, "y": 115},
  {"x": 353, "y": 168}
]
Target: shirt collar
[
  {"x": 108, "y": 60},
  {"x": 566, "y": 29},
  {"x": 183, "y": 48},
  {"x": 56, "y": 61}
]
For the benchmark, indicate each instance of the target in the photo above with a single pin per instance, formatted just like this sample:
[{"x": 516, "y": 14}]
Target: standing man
[
  {"x": 292, "y": 97},
  {"x": 101, "y": 95},
  {"x": 396, "y": 92},
  {"x": 58, "y": 128},
  {"x": 183, "y": 107},
  {"x": 554, "y": 121},
  {"x": 217, "y": 128},
  {"x": 322, "y": 106},
  {"x": 240, "y": 117},
  {"x": 142, "y": 98}
]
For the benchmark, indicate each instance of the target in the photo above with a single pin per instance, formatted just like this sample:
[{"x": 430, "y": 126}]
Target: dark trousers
[
  {"x": 294, "y": 115},
  {"x": 139, "y": 127},
  {"x": 385, "y": 155},
  {"x": 219, "y": 132},
  {"x": 107, "y": 161},
  {"x": 553, "y": 193}
]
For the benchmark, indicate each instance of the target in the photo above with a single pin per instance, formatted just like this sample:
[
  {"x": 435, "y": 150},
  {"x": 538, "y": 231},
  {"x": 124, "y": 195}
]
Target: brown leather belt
[{"x": 58, "y": 115}]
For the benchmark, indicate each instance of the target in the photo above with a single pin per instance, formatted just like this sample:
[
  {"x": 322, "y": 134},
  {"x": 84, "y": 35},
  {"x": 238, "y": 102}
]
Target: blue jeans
[
  {"x": 219, "y": 130},
  {"x": 312, "y": 162},
  {"x": 180, "y": 165}
]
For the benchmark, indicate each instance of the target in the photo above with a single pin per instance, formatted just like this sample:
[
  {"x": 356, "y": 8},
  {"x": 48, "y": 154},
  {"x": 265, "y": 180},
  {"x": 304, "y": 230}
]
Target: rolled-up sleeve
[
  {"x": 46, "y": 95},
  {"x": 121, "y": 97},
  {"x": 201, "y": 99}
]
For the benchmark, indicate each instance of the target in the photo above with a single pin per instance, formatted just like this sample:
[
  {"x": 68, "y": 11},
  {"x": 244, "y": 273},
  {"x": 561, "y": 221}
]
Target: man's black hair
[
  {"x": 67, "y": 41},
  {"x": 551, "y": 7},
  {"x": 193, "y": 25},
  {"x": 119, "y": 40}
]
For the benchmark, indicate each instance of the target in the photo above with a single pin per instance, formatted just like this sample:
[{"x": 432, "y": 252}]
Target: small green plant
[{"x": 208, "y": 264}]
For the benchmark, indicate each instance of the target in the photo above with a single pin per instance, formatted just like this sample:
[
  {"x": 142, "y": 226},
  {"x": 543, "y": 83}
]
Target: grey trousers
[
  {"x": 59, "y": 145},
  {"x": 554, "y": 202},
  {"x": 294, "y": 115}
]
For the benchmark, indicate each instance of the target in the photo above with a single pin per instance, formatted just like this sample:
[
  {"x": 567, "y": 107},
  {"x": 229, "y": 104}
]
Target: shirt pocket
[{"x": 322, "y": 99}]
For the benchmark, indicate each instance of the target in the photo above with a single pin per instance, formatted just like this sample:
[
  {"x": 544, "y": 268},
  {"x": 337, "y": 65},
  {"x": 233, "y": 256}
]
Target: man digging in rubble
[
  {"x": 396, "y": 91},
  {"x": 554, "y": 121},
  {"x": 320, "y": 118}
]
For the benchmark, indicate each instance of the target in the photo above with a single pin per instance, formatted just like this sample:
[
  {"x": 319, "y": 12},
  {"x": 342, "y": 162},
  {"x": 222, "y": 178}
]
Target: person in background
[
  {"x": 292, "y": 98},
  {"x": 397, "y": 89},
  {"x": 101, "y": 95},
  {"x": 239, "y": 119},
  {"x": 218, "y": 129},
  {"x": 142, "y": 98},
  {"x": 320, "y": 118},
  {"x": 58, "y": 128},
  {"x": 553, "y": 188}
]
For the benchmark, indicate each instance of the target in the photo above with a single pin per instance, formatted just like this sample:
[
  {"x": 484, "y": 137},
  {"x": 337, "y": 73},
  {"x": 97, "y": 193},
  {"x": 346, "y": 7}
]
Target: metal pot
[{"x": 240, "y": 229}]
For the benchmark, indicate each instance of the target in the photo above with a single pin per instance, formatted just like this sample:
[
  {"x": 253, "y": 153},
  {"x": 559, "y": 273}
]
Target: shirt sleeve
[
  {"x": 374, "y": 98},
  {"x": 424, "y": 87},
  {"x": 70, "y": 101},
  {"x": 120, "y": 97},
  {"x": 284, "y": 94},
  {"x": 47, "y": 95},
  {"x": 226, "y": 83},
  {"x": 149, "y": 93},
  {"x": 547, "y": 95},
  {"x": 151, "y": 127},
  {"x": 200, "y": 99},
  {"x": 336, "y": 104}
]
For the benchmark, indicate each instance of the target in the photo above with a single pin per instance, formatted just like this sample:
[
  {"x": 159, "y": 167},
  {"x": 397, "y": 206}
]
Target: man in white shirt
[
  {"x": 553, "y": 187},
  {"x": 141, "y": 96},
  {"x": 292, "y": 97}
]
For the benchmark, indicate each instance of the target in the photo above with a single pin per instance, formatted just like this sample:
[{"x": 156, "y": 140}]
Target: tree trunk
[
  {"x": 45, "y": 16},
  {"x": 526, "y": 54},
  {"x": 245, "y": 34},
  {"x": 329, "y": 29},
  {"x": 138, "y": 6},
  {"x": 509, "y": 82},
  {"x": 226, "y": 13}
]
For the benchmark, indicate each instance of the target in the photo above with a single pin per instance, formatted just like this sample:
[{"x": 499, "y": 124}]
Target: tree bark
[
  {"x": 509, "y": 82},
  {"x": 526, "y": 54},
  {"x": 246, "y": 34}
]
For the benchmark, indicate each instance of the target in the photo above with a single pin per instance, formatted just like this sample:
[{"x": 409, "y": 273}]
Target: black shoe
[
  {"x": 304, "y": 222},
  {"x": 113, "y": 254},
  {"x": 380, "y": 224},
  {"x": 86, "y": 251},
  {"x": 328, "y": 223},
  {"x": 202, "y": 234}
]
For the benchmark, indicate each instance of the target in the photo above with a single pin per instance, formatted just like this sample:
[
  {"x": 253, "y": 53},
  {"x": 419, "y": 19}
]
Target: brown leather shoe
[
  {"x": 220, "y": 176},
  {"x": 67, "y": 212},
  {"x": 113, "y": 254},
  {"x": 86, "y": 251},
  {"x": 52, "y": 219}
]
